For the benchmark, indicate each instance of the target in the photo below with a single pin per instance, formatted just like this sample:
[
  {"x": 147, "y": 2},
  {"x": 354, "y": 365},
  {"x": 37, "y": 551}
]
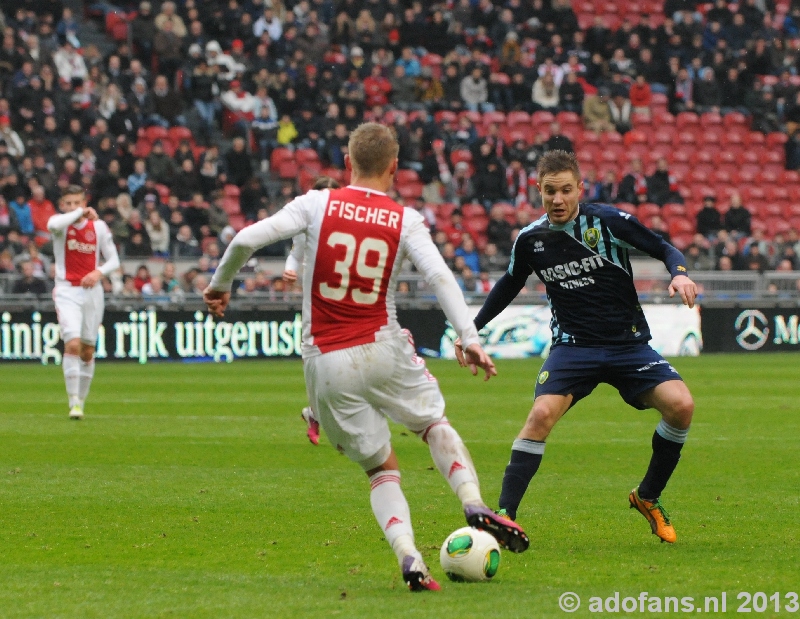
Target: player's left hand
[
  {"x": 90, "y": 279},
  {"x": 685, "y": 287},
  {"x": 474, "y": 357},
  {"x": 217, "y": 301}
]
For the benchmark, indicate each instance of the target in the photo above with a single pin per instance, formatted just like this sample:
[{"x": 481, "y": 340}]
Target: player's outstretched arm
[
  {"x": 684, "y": 287},
  {"x": 475, "y": 357}
]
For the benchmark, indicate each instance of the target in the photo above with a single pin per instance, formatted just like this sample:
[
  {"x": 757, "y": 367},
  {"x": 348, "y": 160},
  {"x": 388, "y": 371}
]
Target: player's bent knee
[
  {"x": 680, "y": 410},
  {"x": 381, "y": 460},
  {"x": 540, "y": 421}
]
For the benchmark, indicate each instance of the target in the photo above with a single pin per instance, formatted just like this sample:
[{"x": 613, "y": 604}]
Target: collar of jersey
[
  {"x": 366, "y": 190},
  {"x": 560, "y": 227}
]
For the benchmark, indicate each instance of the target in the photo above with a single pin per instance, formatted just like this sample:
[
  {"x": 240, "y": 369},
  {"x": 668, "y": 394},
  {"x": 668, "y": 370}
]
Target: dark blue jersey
[{"x": 586, "y": 271}]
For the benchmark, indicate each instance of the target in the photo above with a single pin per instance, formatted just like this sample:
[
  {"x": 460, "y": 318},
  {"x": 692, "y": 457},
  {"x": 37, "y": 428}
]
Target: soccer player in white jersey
[
  {"x": 79, "y": 240},
  {"x": 361, "y": 367},
  {"x": 294, "y": 262}
]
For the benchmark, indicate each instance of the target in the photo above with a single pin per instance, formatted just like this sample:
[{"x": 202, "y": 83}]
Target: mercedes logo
[{"x": 752, "y": 328}]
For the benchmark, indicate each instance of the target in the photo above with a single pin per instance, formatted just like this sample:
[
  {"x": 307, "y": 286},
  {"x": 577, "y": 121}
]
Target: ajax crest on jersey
[{"x": 470, "y": 555}]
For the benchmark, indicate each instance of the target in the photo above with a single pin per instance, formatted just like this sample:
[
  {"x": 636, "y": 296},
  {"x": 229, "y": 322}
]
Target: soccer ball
[{"x": 470, "y": 555}]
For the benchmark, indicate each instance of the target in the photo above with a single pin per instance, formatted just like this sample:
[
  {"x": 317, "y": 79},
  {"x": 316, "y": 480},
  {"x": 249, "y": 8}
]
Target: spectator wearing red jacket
[
  {"x": 376, "y": 88},
  {"x": 641, "y": 96},
  {"x": 42, "y": 209}
]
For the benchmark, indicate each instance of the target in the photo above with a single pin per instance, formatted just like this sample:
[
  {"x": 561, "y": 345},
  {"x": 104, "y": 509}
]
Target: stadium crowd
[{"x": 191, "y": 120}]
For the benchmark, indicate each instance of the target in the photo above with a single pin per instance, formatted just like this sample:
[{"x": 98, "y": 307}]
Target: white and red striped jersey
[
  {"x": 356, "y": 241},
  {"x": 77, "y": 248}
]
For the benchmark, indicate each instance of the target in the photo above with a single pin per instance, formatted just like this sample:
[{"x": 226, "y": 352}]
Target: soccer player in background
[
  {"x": 361, "y": 367},
  {"x": 294, "y": 261},
  {"x": 580, "y": 252},
  {"x": 79, "y": 239}
]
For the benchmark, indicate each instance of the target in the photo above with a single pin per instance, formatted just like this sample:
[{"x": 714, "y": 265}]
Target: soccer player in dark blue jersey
[{"x": 580, "y": 252}]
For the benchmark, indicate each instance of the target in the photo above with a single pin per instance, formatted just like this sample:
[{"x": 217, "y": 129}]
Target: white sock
[
  {"x": 71, "y": 366},
  {"x": 453, "y": 461},
  {"x": 87, "y": 373},
  {"x": 391, "y": 511}
]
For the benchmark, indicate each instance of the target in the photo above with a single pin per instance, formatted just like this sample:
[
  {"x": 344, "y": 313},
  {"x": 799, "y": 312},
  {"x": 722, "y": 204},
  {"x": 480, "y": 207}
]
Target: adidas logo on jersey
[{"x": 538, "y": 246}]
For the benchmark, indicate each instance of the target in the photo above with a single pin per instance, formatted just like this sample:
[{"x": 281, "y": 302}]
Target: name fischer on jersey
[
  {"x": 364, "y": 214},
  {"x": 571, "y": 269}
]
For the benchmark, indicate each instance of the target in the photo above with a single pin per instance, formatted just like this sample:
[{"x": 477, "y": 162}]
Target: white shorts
[
  {"x": 80, "y": 312},
  {"x": 353, "y": 391}
]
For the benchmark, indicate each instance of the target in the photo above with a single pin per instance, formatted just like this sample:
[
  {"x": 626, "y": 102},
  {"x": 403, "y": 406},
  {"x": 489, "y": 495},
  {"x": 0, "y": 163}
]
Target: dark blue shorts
[{"x": 577, "y": 370}]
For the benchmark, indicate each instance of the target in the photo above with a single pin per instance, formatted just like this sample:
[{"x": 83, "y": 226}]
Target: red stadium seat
[
  {"x": 163, "y": 192},
  {"x": 477, "y": 225},
  {"x": 410, "y": 191},
  {"x": 755, "y": 139},
  {"x": 680, "y": 226},
  {"x": 494, "y": 117},
  {"x": 278, "y": 156},
  {"x": 443, "y": 116},
  {"x": 518, "y": 118},
  {"x": 687, "y": 119},
  {"x": 404, "y": 176},
  {"x": 735, "y": 119},
  {"x": 640, "y": 120},
  {"x": 790, "y": 177},
  {"x": 635, "y": 136},
  {"x": 563, "y": 118},
  {"x": 777, "y": 193},
  {"x": 231, "y": 206},
  {"x": 542, "y": 118},
  {"x": 237, "y": 221},
  {"x": 288, "y": 170},
  {"x": 178, "y": 134},
  {"x": 772, "y": 156},
  {"x": 710, "y": 138},
  {"x": 776, "y": 139},
  {"x": 472, "y": 210},
  {"x": 156, "y": 133},
  {"x": 143, "y": 147},
  {"x": 303, "y": 155},
  {"x": 709, "y": 119},
  {"x": 647, "y": 210},
  {"x": 733, "y": 136},
  {"x": 673, "y": 209},
  {"x": 777, "y": 226}
]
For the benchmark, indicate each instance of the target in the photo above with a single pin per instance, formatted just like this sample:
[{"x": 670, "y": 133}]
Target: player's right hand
[
  {"x": 90, "y": 213},
  {"x": 290, "y": 276},
  {"x": 217, "y": 301}
]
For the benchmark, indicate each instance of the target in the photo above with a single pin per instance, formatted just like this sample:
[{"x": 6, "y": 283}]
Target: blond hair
[
  {"x": 72, "y": 190},
  {"x": 372, "y": 149}
]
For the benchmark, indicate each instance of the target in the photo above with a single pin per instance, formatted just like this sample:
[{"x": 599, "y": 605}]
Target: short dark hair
[
  {"x": 325, "y": 182},
  {"x": 555, "y": 161}
]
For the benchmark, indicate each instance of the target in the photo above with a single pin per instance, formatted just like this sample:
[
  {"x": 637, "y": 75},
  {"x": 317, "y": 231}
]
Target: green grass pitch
[{"x": 192, "y": 491}]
